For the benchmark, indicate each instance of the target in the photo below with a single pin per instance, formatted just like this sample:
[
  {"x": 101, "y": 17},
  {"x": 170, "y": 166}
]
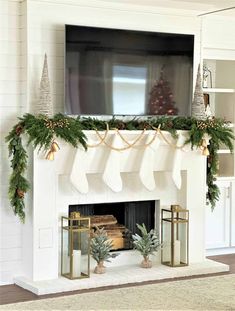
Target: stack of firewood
[{"x": 115, "y": 231}]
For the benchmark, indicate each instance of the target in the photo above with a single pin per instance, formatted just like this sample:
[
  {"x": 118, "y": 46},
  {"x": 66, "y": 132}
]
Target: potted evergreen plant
[
  {"x": 101, "y": 246},
  {"x": 147, "y": 244}
]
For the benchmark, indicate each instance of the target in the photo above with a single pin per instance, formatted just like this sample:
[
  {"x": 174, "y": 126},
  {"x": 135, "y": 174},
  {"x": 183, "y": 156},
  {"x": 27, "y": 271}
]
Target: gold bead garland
[
  {"x": 133, "y": 144},
  {"x": 167, "y": 141},
  {"x": 101, "y": 140},
  {"x": 123, "y": 148}
]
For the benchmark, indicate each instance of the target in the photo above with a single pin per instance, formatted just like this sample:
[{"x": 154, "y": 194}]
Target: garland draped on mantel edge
[{"x": 42, "y": 131}]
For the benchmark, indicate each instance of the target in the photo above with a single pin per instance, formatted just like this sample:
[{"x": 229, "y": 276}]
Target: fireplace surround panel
[{"x": 43, "y": 262}]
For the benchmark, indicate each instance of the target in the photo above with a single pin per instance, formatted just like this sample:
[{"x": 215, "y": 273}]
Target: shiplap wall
[
  {"x": 28, "y": 29},
  {"x": 218, "y": 37},
  {"x": 12, "y": 86}
]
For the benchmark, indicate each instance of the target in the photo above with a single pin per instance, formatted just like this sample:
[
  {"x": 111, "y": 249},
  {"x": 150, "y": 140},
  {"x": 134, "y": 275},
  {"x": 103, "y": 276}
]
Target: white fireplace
[{"x": 53, "y": 193}]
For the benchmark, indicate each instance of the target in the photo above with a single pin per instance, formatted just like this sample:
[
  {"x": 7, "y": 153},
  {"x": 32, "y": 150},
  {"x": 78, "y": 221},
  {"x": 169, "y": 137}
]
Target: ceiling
[
  {"x": 210, "y": 5},
  {"x": 198, "y": 6}
]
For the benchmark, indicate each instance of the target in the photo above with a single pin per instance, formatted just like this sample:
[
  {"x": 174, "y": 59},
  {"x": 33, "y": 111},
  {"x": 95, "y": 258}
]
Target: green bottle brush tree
[
  {"x": 147, "y": 244},
  {"x": 101, "y": 246}
]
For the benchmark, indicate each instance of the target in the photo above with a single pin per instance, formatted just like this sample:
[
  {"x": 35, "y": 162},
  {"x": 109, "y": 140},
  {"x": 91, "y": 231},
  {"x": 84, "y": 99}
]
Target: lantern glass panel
[
  {"x": 76, "y": 263},
  {"x": 166, "y": 236},
  {"x": 182, "y": 238},
  {"x": 66, "y": 253},
  {"x": 85, "y": 253}
]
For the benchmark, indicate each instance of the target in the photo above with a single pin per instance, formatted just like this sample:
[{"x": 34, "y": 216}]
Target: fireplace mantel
[{"x": 53, "y": 193}]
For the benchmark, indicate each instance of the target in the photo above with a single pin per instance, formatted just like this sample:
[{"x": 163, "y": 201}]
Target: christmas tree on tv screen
[{"x": 161, "y": 101}]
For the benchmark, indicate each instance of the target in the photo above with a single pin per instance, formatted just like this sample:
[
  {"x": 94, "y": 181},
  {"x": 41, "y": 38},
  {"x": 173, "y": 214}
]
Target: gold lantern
[
  {"x": 174, "y": 236},
  {"x": 75, "y": 246}
]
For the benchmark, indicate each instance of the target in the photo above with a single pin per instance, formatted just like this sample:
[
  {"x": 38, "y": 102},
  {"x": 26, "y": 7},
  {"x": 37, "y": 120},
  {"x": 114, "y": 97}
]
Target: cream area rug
[{"x": 211, "y": 293}]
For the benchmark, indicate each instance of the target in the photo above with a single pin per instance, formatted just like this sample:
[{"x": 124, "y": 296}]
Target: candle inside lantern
[
  {"x": 76, "y": 263},
  {"x": 66, "y": 260},
  {"x": 176, "y": 252}
]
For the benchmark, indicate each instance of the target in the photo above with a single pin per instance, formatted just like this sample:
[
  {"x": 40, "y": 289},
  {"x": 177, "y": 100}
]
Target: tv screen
[{"x": 126, "y": 72}]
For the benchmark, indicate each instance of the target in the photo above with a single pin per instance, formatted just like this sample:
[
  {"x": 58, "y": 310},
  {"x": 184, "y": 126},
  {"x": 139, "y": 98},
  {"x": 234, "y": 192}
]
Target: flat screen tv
[{"x": 127, "y": 72}]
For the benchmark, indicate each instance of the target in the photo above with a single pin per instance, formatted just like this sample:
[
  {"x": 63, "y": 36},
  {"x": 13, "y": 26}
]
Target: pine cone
[
  {"x": 169, "y": 124},
  {"x": 19, "y": 129},
  {"x": 144, "y": 125},
  {"x": 20, "y": 193},
  {"x": 121, "y": 126},
  {"x": 147, "y": 126}
]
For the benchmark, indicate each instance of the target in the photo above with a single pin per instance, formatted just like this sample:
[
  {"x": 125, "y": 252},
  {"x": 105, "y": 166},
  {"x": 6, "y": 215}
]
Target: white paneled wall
[
  {"x": 218, "y": 37},
  {"x": 12, "y": 86},
  {"x": 28, "y": 29}
]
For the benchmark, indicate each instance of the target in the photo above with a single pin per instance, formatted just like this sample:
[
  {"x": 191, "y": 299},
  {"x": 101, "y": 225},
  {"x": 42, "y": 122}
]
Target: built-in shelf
[
  {"x": 218, "y": 90},
  {"x": 225, "y": 178},
  {"x": 223, "y": 151},
  {"x": 221, "y": 98}
]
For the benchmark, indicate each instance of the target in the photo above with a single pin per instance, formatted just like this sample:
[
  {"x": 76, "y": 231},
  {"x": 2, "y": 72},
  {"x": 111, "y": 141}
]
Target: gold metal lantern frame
[
  {"x": 75, "y": 246},
  {"x": 175, "y": 236}
]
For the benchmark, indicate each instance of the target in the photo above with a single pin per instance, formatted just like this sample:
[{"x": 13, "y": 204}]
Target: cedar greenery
[{"x": 41, "y": 130}]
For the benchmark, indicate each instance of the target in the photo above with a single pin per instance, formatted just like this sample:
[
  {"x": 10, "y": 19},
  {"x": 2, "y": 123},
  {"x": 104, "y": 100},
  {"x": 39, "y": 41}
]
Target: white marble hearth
[{"x": 120, "y": 275}]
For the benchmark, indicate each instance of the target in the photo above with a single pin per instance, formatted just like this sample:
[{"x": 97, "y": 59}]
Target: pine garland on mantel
[{"x": 41, "y": 131}]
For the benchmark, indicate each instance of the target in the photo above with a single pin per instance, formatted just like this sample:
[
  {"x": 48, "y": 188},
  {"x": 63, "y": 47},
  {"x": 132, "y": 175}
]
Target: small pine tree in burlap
[
  {"x": 101, "y": 246},
  {"x": 161, "y": 100},
  {"x": 147, "y": 244}
]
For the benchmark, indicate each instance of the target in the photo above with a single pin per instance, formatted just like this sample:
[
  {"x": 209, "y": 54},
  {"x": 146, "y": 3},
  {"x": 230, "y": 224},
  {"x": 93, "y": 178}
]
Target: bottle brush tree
[
  {"x": 101, "y": 246},
  {"x": 147, "y": 244}
]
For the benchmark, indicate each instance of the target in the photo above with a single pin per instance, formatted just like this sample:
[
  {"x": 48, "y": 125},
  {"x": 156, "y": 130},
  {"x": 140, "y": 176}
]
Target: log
[
  {"x": 115, "y": 227},
  {"x": 118, "y": 243},
  {"x": 114, "y": 230},
  {"x": 102, "y": 220},
  {"x": 114, "y": 234}
]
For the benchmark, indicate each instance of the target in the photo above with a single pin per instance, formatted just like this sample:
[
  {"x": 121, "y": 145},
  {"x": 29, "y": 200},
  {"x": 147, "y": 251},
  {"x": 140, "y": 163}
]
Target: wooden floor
[{"x": 14, "y": 293}]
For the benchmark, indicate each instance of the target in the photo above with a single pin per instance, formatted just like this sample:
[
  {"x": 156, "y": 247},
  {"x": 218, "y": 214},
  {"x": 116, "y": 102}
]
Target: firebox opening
[{"x": 119, "y": 219}]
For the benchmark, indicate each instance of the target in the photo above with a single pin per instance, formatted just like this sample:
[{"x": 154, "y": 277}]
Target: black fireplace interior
[{"x": 124, "y": 217}]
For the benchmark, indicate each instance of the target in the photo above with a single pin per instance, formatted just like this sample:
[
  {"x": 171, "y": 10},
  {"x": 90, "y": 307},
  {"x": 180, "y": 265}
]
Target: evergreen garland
[
  {"x": 41, "y": 130},
  {"x": 18, "y": 184}
]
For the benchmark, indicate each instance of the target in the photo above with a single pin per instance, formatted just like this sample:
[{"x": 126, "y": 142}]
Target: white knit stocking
[
  {"x": 176, "y": 171},
  {"x": 146, "y": 171},
  {"x": 111, "y": 175}
]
